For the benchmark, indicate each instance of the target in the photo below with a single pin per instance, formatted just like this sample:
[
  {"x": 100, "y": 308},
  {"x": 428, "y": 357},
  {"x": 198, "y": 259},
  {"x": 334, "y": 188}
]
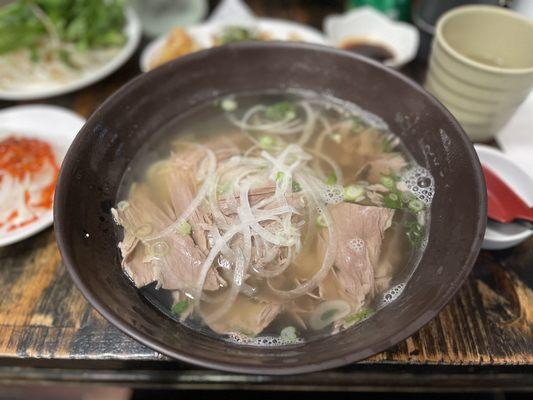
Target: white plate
[
  {"x": 55, "y": 125},
  {"x": 202, "y": 34},
  {"x": 49, "y": 89},
  {"x": 503, "y": 236}
]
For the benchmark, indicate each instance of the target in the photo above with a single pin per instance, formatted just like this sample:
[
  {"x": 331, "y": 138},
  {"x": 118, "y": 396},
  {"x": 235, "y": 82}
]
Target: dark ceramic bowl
[{"x": 97, "y": 159}]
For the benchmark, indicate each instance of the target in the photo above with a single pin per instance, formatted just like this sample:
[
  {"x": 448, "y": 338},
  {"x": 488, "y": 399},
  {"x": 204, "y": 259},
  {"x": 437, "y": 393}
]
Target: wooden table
[{"x": 48, "y": 333}]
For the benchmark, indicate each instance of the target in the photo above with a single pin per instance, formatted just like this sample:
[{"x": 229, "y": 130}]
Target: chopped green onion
[
  {"x": 416, "y": 205},
  {"x": 331, "y": 178},
  {"x": 358, "y": 316},
  {"x": 184, "y": 228},
  {"x": 296, "y": 187},
  {"x": 392, "y": 200},
  {"x": 353, "y": 192},
  {"x": 280, "y": 111},
  {"x": 321, "y": 221},
  {"x": 414, "y": 232},
  {"x": 229, "y": 105},
  {"x": 267, "y": 142},
  {"x": 289, "y": 333},
  {"x": 327, "y": 315},
  {"x": 336, "y": 137},
  {"x": 357, "y": 125},
  {"x": 279, "y": 176},
  {"x": 180, "y": 307},
  {"x": 388, "y": 182}
]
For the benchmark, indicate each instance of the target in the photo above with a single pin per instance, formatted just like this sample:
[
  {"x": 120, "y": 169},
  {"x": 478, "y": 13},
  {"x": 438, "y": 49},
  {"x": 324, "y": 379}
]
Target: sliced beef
[
  {"x": 248, "y": 317},
  {"x": 360, "y": 231}
]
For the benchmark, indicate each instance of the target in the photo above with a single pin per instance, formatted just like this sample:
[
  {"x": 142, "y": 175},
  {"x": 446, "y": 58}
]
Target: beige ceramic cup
[{"x": 481, "y": 66}]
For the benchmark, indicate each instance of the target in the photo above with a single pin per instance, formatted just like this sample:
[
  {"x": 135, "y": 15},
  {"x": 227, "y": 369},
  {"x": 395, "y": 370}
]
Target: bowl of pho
[{"x": 270, "y": 208}]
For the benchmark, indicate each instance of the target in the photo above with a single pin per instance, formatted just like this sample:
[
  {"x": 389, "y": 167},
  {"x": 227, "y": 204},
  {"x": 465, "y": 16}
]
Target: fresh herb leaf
[
  {"x": 392, "y": 200},
  {"x": 180, "y": 307},
  {"x": 267, "y": 142},
  {"x": 296, "y": 187},
  {"x": 331, "y": 179},
  {"x": 233, "y": 34},
  {"x": 280, "y": 111},
  {"x": 327, "y": 315},
  {"x": 358, "y": 316},
  {"x": 279, "y": 176},
  {"x": 414, "y": 232}
]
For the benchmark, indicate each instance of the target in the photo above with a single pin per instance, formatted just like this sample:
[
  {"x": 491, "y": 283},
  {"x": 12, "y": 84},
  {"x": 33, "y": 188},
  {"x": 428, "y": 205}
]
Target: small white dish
[
  {"x": 502, "y": 236},
  {"x": 203, "y": 34},
  {"x": 369, "y": 25},
  {"x": 51, "y": 88},
  {"x": 55, "y": 125}
]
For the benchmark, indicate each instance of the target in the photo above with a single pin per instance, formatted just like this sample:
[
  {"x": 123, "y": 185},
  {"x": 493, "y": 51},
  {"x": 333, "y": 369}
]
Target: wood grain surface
[{"x": 45, "y": 320}]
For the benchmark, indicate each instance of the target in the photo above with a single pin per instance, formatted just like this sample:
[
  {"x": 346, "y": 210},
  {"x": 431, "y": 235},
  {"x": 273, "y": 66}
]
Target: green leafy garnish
[
  {"x": 279, "y": 176},
  {"x": 416, "y": 205},
  {"x": 388, "y": 182},
  {"x": 280, "y": 111},
  {"x": 296, "y": 187},
  {"x": 353, "y": 192},
  {"x": 233, "y": 34},
  {"x": 321, "y": 221},
  {"x": 267, "y": 142},
  {"x": 327, "y": 315},
  {"x": 184, "y": 228},
  {"x": 358, "y": 125},
  {"x": 85, "y": 24},
  {"x": 358, "y": 316},
  {"x": 289, "y": 333},
  {"x": 392, "y": 200},
  {"x": 331, "y": 179},
  {"x": 180, "y": 307},
  {"x": 414, "y": 232}
]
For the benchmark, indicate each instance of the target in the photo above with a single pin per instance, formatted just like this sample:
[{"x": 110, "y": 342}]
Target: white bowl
[
  {"x": 502, "y": 236},
  {"x": 202, "y": 34},
  {"x": 51, "y": 88},
  {"x": 368, "y": 24},
  {"x": 55, "y": 125}
]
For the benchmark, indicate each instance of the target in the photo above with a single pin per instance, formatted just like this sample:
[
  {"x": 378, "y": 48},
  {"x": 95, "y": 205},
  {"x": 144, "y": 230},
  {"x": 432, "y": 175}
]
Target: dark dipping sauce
[{"x": 368, "y": 49}]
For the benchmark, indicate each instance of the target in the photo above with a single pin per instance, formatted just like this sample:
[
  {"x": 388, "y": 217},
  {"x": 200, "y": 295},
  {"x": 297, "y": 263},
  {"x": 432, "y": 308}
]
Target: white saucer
[
  {"x": 55, "y": 125},
  {"x": 502, "y": 236}
]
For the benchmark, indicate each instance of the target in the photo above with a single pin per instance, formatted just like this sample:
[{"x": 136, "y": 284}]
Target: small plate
[
  {"x": 203, "y": 35},
  {"x": 55, "y": 125},
  {"x": 49, "y": 89},
  {"x": 367, "y": 24},
  {"x": 502, "y": 236}
]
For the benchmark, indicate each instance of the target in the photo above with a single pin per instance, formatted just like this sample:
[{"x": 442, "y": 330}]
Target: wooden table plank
[{"x": 46, "y": 324}]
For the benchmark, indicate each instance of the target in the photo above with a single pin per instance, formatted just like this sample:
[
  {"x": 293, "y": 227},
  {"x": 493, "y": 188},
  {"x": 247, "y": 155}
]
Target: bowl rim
[{"x": 114, "y": 318}]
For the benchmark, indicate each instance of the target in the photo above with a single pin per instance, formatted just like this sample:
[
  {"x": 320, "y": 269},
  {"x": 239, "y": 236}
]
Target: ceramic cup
[{"x": 481, "y": 66}]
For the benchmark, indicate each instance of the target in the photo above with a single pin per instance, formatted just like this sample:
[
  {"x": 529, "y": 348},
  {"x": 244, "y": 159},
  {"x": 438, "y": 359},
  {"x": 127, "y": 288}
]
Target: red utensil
[{"x": 504, "y": 205}]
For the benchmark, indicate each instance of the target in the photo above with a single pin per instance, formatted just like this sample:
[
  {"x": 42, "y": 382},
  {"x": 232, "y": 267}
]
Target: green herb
[
  {"x": 64, "y": 56},
  {"x": 358, "y": 316},
  {"x": 228, "y": 105},
  {"x": 180, "y": 307},
  {"x": 321, "y": 221},
  {"x": 267, "y": 142},
  {"x": 336, "y": 137},
  {"x": 279, "y": 176},
  {"x": 233, "y": 34},
  {"x": 331, "y": 179},
  {"x": 416, "y": 205},
  {"x": 327, "y": 315},
  {"x": 184, "y": 228},
  {"x": 86, "y": 24},
  {"x": 353, "y": 192},
  {"x": 388, "y": 182},
  {"x": 358, "y": 125},
  {"x": 392, "y": 200},
  {"x": 289, "y": 333},
  {"x": 296, "y": 187},
  {"x": 414, "y": 232},
  {"x": 280, "y": 111}
]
